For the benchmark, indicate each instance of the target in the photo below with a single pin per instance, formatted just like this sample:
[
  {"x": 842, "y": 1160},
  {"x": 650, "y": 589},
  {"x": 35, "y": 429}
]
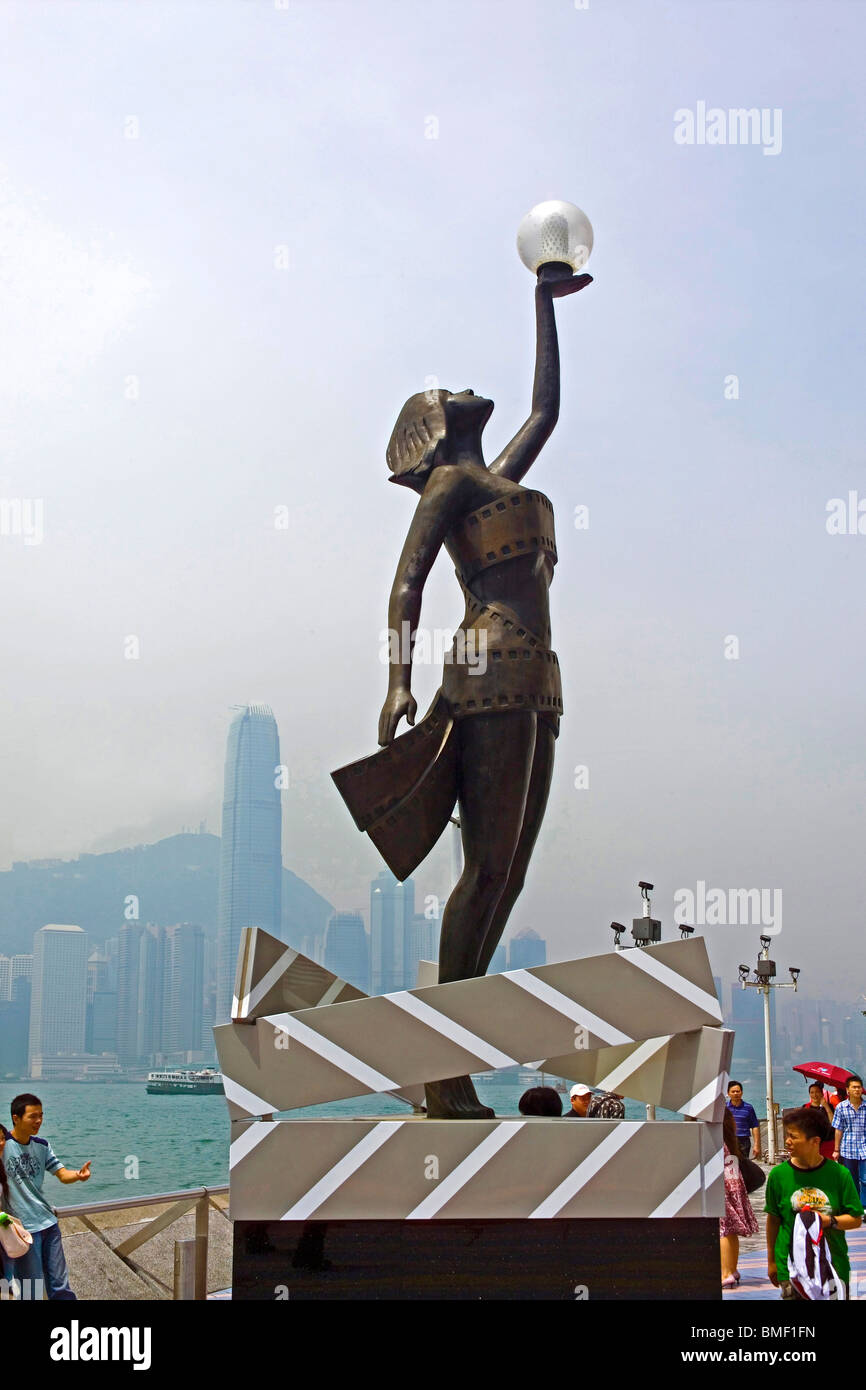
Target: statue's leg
[
  {"x": 536, "y": 804},
  {"x": 495, "y": 765},
  {"x": 496, "y": 758}
]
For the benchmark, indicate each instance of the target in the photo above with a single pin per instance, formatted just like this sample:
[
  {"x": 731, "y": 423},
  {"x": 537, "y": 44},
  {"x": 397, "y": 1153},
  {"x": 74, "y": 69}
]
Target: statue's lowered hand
[{"x": 398, "y": 703}]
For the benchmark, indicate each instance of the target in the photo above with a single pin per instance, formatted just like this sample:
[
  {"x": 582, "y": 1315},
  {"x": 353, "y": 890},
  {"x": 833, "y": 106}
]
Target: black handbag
[{"x": 753, "y": 1175}]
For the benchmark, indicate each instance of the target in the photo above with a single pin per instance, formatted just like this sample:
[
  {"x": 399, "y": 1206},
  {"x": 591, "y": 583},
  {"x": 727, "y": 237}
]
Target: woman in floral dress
[{"x": 739, "y": 1219}]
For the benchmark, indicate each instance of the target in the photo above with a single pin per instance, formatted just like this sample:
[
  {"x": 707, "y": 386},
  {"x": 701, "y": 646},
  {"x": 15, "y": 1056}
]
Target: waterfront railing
[{"x": 190, "y": 1262}]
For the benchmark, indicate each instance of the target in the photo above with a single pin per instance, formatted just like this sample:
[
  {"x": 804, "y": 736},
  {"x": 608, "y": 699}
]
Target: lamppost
[
  {"x": 646, "y": 931},
  {"x": 765, "y": 972}
]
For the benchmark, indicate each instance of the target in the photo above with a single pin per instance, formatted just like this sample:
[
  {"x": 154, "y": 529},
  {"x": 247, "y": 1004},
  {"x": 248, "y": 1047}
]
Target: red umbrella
[{"x": 825, "y": 1071}]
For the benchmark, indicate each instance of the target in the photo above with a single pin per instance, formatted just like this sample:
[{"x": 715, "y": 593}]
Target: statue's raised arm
[{"x": 554, "y": 280}]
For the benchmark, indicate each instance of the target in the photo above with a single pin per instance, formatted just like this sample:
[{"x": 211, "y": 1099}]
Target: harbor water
[{"x": 141, "y": 1144}]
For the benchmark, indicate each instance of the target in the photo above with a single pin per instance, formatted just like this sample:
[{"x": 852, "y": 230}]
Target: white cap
[{"x": 579, "y": 1090}]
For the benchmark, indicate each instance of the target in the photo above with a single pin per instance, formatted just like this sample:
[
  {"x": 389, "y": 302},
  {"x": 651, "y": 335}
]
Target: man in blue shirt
[
  {"x": 745, "y": 1120},
  {"x": 849, "y": 1124},
  {"x": 27, "y": 1160}
]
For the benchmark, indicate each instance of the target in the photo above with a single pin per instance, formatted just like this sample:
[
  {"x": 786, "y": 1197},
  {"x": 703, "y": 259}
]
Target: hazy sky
[{"x": 231, "y": 249}]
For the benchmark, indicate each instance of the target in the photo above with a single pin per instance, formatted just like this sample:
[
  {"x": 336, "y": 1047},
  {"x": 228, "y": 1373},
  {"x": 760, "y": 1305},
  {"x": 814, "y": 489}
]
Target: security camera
[
  {"x": 646, "y": 930},
  {"x": 647, "y": 887},
  {"x": 794, "y": 971},
  {"x": 765, "y": 941},
  {"x": 685, "y": 931}
]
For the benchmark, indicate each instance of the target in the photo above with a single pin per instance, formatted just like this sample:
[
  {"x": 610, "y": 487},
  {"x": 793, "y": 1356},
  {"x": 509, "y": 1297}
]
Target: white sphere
[{"x": 554, "y": 231}]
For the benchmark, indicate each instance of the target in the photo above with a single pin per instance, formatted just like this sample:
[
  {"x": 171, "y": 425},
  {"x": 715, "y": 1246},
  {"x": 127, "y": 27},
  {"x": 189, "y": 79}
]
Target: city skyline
[
  {"x": 140, "y": 998},
  {"x": 19, "y": 965}
]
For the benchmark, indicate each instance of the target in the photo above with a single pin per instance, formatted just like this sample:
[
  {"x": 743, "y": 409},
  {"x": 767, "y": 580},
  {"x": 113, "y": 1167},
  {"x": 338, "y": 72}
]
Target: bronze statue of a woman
[{"x": 487, "y": 741}]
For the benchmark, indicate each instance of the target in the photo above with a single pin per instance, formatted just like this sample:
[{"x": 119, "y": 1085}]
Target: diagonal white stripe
[
  {"x": 249, "y": 1140},
  {"x": 714, "y": 1168},
  {"x": 268, "y": 980},
  {"x": 705, "y": 1096},
  {"x": 681, "y": 1194},
  {"x": 349, "y": 1164},
  {"x": 470, "y": 1165},
  {"x": 563, "y": 1005},
  {"x": 671, "y": 979},
  {"x": 592, "y": 1164},
  {"x": 334, "y": 988},
  {"x": 455, "y": 1033},
  {"x": 332, "y": 1052},
  {"x": 247, "y": 1100},
  {"x": 628, "y": 1067}
]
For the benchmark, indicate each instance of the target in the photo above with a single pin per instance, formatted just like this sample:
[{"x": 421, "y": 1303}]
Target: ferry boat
[{"x": 206, "y": 1082}]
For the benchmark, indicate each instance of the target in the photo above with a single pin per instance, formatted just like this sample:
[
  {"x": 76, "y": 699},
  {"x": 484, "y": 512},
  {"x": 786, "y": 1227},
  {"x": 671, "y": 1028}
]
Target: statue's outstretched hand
[{"x": 398, "y": 703}]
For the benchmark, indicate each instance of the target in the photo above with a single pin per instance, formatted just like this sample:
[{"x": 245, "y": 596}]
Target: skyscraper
[
  {"x": 159, "y": 997},
  {"x": 101, "y": 1035},
  {"x": 526, "y": 949},
  {"x": 208, "y": 1013},
  {"x": 18, "y": 1015},
  {"x": 392, "y": 907},
  {"x": 498, "y": 961},
  {"x": 347, "y": 952},
  {"x": 184, "y": 993},
  {"x": 422, "y": 944},
  {"x": 22, "y": 970},
  {"x": 14, "y": 1016},
  {"x": 152, "y": 971},
  {"x": 128, "y": 951},
  {"x": 58, "y": 1008},
  {"x": 101, "y": 1027},
  {"x": 97, "y": 973},
  {"x": 747, "y": 1020},
  {"x": 250, "y": 854}
]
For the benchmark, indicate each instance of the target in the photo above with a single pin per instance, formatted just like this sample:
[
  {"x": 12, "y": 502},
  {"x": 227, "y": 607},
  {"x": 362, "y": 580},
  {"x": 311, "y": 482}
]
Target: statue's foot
[{"x": 455, "y": 1099}]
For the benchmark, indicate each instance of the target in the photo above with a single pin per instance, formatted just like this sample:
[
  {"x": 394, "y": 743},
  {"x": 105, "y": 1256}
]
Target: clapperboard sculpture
[{"x": 399, "y": 1205}]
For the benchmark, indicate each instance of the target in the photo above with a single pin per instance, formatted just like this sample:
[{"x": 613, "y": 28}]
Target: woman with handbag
[
  {"x": 14, "y": 1240},
  {"x": 739, "y": 1219}
]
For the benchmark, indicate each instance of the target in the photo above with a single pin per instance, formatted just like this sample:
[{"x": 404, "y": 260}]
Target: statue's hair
[{"x": 417, "y": 437}]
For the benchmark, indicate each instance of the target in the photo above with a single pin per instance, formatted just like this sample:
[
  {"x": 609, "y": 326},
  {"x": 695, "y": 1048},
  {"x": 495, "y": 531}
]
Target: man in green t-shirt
[{"x": 808, "y": 1182}]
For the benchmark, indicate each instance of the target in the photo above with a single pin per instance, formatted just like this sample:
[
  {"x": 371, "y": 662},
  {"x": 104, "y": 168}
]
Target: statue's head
[{"x": 426, "y": 427}]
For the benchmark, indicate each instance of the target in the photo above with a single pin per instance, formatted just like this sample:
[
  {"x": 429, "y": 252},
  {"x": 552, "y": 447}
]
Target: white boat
[{"x": 206, "y": 1082}]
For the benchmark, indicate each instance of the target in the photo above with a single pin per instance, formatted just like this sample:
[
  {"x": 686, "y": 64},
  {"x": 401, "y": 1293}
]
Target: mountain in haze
[{"x": 174, "y": 880}]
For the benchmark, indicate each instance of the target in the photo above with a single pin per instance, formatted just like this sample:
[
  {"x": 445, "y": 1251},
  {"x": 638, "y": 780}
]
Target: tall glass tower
[
  {"x": 250, "y": 856},
  {"x": 346, "y": 949},
  {"x": 392, "y": 907}
]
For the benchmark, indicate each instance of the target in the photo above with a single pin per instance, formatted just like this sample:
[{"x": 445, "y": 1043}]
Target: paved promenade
[{"x": 754, "y": 1283}]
